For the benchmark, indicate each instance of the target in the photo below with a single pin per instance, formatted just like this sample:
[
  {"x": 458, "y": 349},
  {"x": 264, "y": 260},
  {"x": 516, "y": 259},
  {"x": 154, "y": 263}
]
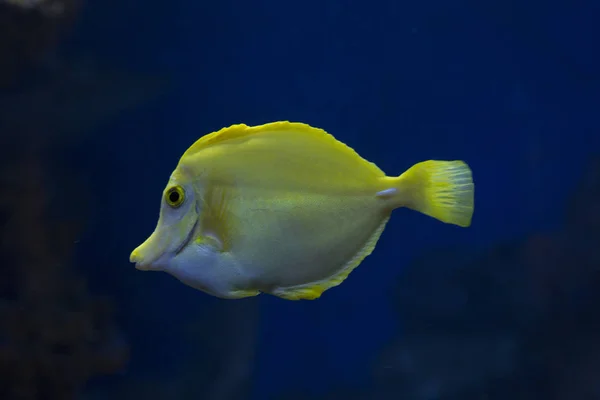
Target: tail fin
[{"x": 441, "y": 189}]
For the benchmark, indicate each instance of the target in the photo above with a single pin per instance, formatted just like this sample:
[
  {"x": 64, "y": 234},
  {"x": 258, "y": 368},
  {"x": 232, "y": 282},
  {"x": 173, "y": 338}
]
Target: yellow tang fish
[{"x": 286, "y": 209}]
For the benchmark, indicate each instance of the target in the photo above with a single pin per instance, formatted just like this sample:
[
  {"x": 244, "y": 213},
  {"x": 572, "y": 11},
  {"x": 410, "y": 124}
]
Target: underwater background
[{"x": 98, "y": 100}]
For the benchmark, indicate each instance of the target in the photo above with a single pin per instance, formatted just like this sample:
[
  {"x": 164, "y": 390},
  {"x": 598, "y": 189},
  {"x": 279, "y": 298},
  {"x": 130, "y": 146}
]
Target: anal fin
[
  {"x": 242, "y": 294},
  {"x": 314, "y": 290}
]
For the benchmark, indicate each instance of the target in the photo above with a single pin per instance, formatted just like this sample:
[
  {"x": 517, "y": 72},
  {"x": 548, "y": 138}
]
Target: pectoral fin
[{"x": 216, "y": 225}]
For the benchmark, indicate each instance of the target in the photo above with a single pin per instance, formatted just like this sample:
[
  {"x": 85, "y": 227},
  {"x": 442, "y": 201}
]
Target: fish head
[{"x": 176, "y": 228}]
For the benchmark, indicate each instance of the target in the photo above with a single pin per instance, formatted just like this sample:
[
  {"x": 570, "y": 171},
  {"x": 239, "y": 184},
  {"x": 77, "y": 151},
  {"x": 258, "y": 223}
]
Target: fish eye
[{"x": 175, "y": 196}]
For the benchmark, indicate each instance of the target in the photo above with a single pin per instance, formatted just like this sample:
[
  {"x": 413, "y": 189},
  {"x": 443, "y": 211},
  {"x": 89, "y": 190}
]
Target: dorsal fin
[
  {"x": 222, "y": 135},
  {"x": 243, "y": 131}
]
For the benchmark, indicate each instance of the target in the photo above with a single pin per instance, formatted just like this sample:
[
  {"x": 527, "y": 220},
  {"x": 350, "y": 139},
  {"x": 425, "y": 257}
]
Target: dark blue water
[{"x": 501, "y": 310}]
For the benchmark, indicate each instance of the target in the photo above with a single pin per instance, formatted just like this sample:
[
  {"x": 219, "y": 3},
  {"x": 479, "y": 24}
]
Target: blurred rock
[
  {"x": 220, "y": 345},
  {"x": 48, "y": 8},
  {"x": 435, "y": 366},
  {"x": 519, "y": 321},
  {"x": 30, "y": 30},
  {"x": 54, "y": 334},
  {"x": 456, "y": 290},
  {"x": 74, "y": 98}
]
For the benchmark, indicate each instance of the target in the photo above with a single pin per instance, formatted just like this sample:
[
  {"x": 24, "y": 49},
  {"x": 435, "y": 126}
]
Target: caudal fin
[{"x": 441, "y": 189}]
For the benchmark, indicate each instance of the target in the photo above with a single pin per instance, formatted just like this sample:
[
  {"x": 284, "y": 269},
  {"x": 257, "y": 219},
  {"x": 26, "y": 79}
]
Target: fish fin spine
[{"x": 443, "y": 190}]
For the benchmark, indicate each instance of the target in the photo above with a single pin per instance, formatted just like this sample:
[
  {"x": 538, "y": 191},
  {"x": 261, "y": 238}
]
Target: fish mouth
[
  {"x": 153, "y": 263},
  {"x": 156, "y": 252},
  {"x": 140, "y": 265}
]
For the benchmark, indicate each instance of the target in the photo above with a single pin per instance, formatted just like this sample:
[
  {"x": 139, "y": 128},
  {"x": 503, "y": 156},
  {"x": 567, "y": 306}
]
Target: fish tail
[{"x": 441, "y": 189}]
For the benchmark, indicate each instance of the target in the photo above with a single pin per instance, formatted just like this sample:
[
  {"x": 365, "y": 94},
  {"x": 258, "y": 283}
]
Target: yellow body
[{"x": 286, "y": 209}]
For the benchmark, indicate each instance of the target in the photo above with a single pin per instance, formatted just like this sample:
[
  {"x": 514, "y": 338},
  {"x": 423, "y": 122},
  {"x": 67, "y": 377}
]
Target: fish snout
[
  {"x": 162, "y": 246},
  {"x": 146, "y": 255},
  {"x": 137, "y": 259}
]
